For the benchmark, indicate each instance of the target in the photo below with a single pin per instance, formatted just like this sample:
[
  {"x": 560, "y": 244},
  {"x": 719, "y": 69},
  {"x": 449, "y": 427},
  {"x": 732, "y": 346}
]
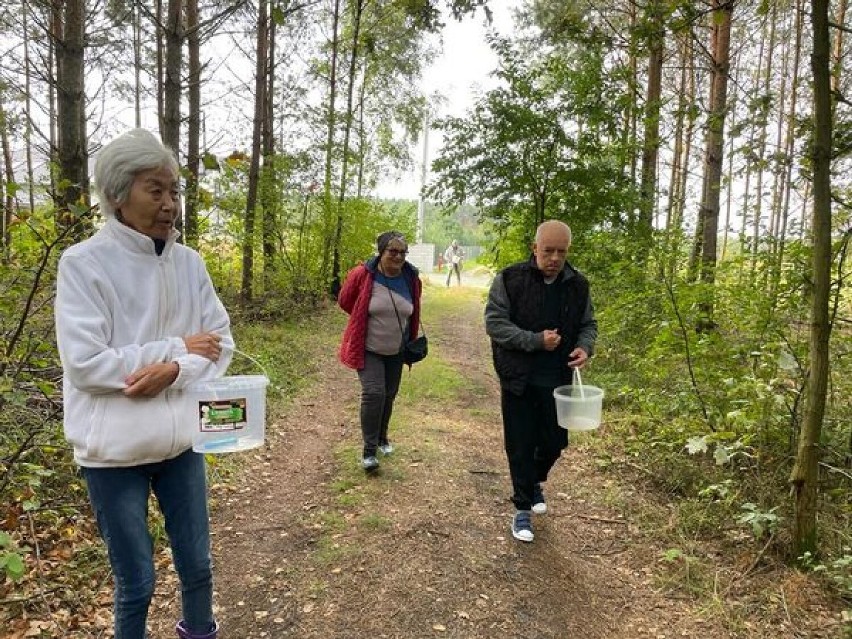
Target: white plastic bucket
[
  {"x": 228, "y": 413},
  {"x": 578, "y": 407}
]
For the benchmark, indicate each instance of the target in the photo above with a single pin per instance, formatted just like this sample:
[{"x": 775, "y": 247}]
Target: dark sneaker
[
  {"x": 522, "y": 526},
  {"x": 539, "y": 507},
  {"x": 386, "y": 448},
  {"x": 370, "y": 463}
]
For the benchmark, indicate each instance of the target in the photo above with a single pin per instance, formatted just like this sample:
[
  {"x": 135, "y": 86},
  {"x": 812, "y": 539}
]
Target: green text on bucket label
[{"x": 222, "y": 415}]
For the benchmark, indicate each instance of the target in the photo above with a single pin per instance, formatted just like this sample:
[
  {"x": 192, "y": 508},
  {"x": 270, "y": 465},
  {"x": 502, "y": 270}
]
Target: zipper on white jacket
[{"x": 166, "y": 296}]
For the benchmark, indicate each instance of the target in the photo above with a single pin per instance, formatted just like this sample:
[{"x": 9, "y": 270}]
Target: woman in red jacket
[{"x": 382, "y": 298}]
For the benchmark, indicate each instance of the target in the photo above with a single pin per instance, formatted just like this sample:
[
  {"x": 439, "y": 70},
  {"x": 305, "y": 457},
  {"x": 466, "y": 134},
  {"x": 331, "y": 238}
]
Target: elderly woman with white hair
[{"x": 137, "y": 319}]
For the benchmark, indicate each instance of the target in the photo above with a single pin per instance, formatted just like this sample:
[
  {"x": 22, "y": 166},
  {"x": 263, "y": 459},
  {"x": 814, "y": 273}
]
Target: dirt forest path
[{"x": 307, "y": 546}]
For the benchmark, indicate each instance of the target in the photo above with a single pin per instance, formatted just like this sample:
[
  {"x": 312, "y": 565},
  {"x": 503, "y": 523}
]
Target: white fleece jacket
[{"x": 119, "y": 307}]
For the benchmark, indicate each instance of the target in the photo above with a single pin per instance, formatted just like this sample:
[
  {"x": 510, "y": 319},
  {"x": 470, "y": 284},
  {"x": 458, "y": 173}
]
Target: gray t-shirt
[{"x": 384, "y": 335}]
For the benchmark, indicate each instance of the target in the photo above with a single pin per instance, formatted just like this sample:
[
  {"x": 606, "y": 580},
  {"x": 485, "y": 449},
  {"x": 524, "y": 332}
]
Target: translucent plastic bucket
[
  {"x": 229, "y": 413},
  {"x": 578, "y": 407}
]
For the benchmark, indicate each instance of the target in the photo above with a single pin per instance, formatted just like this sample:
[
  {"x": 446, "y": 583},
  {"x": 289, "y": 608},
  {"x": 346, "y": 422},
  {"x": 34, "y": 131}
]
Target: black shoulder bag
[{"x": 413, "y": 350}]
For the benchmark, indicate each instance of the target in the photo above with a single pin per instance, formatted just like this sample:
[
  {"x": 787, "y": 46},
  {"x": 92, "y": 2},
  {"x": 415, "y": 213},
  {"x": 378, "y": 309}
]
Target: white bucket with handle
[
  {"x": 228, "y": 413},
  {"x": 578, "y": 407}
]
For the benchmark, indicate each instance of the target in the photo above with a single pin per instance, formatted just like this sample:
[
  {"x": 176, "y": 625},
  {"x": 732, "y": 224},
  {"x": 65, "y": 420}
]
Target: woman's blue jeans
[{"x": 119, "y": 498}]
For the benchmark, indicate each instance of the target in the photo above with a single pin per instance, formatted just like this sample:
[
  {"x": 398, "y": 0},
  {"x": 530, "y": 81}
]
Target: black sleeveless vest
[{"x": 525, "y": 288}]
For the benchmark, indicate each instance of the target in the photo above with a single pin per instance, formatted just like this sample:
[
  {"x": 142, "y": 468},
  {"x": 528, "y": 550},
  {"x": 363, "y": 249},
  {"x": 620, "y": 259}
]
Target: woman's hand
[
  {"x": 151, "y": 380},
  {"x": 204, "y": 344}
]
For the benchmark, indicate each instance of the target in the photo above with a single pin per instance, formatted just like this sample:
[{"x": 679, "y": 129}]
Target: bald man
[{"x": 542, "y": 324}]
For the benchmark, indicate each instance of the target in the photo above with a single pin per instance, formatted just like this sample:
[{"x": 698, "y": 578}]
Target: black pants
[{"x": 533, "y": 439}]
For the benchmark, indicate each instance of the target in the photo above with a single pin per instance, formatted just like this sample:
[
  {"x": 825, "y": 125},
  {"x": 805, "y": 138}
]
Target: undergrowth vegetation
[
  {"x": 707, "y": 421},
  {"x": 710, "y": 419},
  {"x": 52, "y": 563}
]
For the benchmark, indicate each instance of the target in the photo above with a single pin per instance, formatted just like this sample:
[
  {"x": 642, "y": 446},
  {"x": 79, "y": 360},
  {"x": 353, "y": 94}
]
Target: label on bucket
[{"x": 221, "y": 415}]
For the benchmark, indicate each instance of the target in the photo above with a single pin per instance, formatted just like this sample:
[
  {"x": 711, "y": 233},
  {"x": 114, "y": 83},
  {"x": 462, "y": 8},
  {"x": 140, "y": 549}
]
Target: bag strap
[{"x": 398, "y": 320}]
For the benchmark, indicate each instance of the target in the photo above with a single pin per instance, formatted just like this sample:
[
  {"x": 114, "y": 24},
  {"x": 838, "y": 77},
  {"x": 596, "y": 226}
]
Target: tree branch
[{"x": 839, "y": 27}]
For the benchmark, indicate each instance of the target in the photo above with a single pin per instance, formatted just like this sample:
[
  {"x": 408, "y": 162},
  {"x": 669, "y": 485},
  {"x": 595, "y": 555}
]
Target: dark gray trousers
[{"x": 380, "y": 379}]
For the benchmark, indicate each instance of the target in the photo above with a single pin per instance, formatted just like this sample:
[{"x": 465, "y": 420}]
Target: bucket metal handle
[
  {"x": 237, "y": 351},
  {"x": 578, "y": 378}
]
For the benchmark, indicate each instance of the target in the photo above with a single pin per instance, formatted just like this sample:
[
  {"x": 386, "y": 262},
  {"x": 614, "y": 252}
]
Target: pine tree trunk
[
  {"x": 28, "y": 130},
  {"x": 52, "y": 71},
  {"x": 689, "y": 134},
  {"x": 269, "y": 187},
  {"x": 805, "y": 475},
  {"x": 837, "y": 62},
  {"x": 247, "y": 292},
  {"x": 331, "y": 125},
  {"x": 161, "y": 56},
  {"x": 193, "y": 132},
  {"x": 6, "y": 181},
  {"x": 358, "y": 8},
  {"x": 651, "y": 133},
  {"x": 362, "y": 137},
  {"x": 71, "y": 98},
  {"x": 786, "y": 140},
  {"x": 677, "y": 167},
  {"x": 714, "y": 151},
  {"x": 762, "y": 141},
  {"x": 137, "y": 64},
  {"x": 173, "y": 85}
]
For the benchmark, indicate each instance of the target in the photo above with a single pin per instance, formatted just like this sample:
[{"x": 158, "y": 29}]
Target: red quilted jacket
[{"x": 354, "y": 298}]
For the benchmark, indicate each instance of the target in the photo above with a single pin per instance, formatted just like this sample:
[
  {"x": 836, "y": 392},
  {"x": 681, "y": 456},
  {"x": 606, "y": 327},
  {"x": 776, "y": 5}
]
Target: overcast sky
[{"x": 459, "y": 73}]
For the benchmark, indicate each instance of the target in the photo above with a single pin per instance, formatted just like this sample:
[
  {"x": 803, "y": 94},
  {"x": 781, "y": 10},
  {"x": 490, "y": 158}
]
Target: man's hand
[
  {"x": 551, "y": 339},
  {"x": 151, "y": 380},
  {"x": 578, "y": 358},
  {"x": 204, "y": 344}
]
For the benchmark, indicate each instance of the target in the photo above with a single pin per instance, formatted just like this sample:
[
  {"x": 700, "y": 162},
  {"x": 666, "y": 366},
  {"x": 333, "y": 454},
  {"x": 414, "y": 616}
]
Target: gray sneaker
[
  {"x": 370, "y": 463},
  {"x": 386, "y": 449}
]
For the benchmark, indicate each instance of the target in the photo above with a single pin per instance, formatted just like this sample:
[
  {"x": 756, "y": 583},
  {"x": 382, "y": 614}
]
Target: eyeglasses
[{"x": 396, "y": 252}]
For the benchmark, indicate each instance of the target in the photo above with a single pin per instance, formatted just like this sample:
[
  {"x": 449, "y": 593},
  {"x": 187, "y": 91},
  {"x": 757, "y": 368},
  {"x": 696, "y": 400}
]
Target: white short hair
[{"x": 122, "y": 159}]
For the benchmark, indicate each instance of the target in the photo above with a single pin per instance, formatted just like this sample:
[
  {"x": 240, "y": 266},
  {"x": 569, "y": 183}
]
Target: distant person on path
[
  {"x": 137, "y": 319},
  {"x": 382, "y": 298},
  {"x": 541, "y": 322},
  {"x": 453, "y": 257}
]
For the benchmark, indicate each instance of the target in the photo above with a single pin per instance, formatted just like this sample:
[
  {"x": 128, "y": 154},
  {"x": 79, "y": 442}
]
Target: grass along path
[{"x": 307, "y": 546}]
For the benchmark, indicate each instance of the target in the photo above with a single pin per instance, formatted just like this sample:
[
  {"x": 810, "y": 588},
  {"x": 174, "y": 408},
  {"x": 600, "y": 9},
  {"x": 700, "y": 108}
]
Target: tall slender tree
[
  {"x": 28, "y": 127},
  {"x": 193, "y": 129},
  {"x": 7, "y": 183},
  {"x": 73, "y": 185},
  {"x": 260, "y": 83},
  {"x": 331, "y": 125},
  {"x": 714, "y": 150},
  {"x": 804, "y": 477},
  {"x": 354, "y": 59},
  {"x": 173, "y": 85},
  {"x": 268, "y": 176},
  {"x": 655, "y": 42}
]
